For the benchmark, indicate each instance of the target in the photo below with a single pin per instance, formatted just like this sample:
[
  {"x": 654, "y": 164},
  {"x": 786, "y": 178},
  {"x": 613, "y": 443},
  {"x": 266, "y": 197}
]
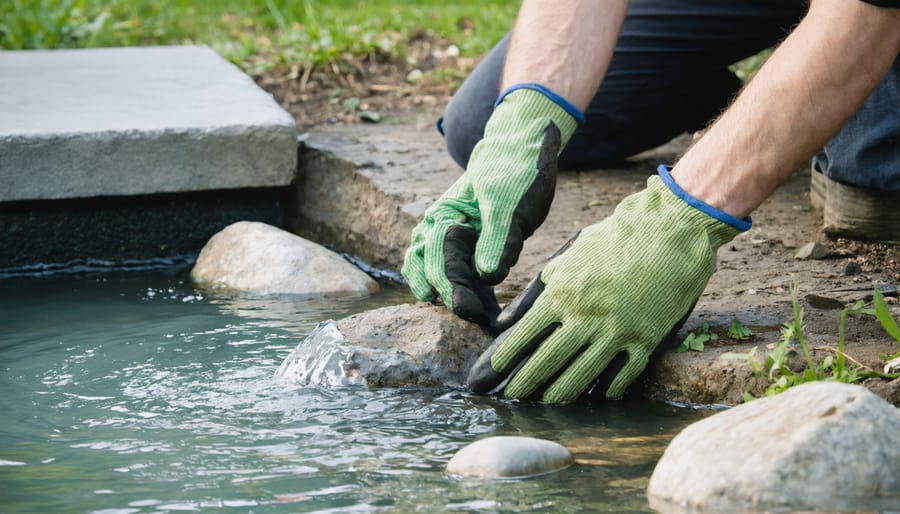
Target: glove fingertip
[
  {"x": 493, "y": 266},
  {"x": 630, "y": 368},
  {"x": 414, "y": 276},
  {"x": 477, "y": 308},
  {"x": 482, "y": 378}
]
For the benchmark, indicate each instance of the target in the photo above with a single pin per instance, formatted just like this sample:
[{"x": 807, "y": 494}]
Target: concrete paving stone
[{"x": 130, "y": 121}]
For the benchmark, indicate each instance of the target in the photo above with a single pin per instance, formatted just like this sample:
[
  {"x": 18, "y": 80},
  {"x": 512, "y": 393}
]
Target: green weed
[
  {"x": 782, "y": 376},
  {"x": 696, "y": 340},
  {"x": 738, "y": 330}
]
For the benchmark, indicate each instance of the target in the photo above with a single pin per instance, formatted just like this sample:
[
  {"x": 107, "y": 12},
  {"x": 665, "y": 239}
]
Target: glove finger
[
  {"x": 483, "y": 378},
  {"x": 585, "y": 371},
  {"x": 550, "y": 358},
  {"x": 501, "y": 240},
  {"x": 435, "y": 258},
  {"x": 413, "y": 270},
  {"x": 469, "y": 298},
  {"x": 637, "y": 361},
  {"x": 613, "y": 381}
]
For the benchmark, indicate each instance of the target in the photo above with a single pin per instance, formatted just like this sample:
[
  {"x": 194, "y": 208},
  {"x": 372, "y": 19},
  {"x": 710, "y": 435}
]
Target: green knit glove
[
  {"x": 591, "y": 319},
  {"x": 472, "y": 235}
]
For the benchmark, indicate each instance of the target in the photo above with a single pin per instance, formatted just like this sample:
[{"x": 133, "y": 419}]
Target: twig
[
  {"x": 307, "y": 71},
  {"x": 847, "y": 356}
]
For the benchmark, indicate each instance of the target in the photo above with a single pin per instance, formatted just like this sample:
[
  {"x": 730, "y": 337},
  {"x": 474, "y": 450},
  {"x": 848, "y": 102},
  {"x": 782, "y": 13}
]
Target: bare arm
[
  {"x": 798, "y": 100},
  {"x": 565, "y": 47}
]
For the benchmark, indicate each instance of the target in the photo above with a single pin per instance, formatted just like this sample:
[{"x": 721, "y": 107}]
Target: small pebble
[
  {"x": 369, "y": 116},
  {"x": 812, "y": 251},
  {"x": 851, "y": 268},
  {"x": 414, "y": 76}
]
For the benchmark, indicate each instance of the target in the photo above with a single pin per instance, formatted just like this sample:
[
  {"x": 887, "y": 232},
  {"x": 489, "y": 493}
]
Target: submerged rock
[
  {"x": 510, "y": 457},
  {"x": 399, "y": 346},
  {"x": 259, "y": 258},
  {"x": 819, "y": 446}
]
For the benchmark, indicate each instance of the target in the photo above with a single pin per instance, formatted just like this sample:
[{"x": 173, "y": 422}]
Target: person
[{"x": 586, "y": 83}]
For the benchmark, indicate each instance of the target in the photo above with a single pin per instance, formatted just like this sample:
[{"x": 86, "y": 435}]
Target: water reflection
[{"x": 287, "y": 311}]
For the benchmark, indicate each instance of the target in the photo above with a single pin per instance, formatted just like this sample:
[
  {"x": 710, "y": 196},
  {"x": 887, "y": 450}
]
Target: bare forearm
[
  {"x": 798, "y": 100},
  {"x": 565, "y": 46}
]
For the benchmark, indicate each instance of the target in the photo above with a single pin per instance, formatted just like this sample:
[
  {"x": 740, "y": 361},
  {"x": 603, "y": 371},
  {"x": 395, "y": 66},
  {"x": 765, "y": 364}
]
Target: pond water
[{"x": 128, "y": 392}]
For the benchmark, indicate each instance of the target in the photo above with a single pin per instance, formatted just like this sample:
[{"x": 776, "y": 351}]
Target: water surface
[{"x": 133, "y": 392}]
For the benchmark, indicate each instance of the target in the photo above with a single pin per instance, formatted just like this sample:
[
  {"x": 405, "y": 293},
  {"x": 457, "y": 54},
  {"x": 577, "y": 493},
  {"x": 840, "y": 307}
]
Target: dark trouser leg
[
  {"x": 669, "y": 74},
  {"x": 866, "y": 152}
]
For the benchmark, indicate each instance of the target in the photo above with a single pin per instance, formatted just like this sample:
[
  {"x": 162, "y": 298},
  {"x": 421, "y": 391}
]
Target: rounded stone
[
  {"x": 261, "y": 259},
  {"x": 820, "y": 446},
  {"x": 510, "y": 457}
]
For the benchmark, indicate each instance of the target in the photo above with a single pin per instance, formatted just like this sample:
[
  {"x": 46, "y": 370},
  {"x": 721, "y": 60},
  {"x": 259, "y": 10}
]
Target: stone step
[{"x": 136, "y": 121}]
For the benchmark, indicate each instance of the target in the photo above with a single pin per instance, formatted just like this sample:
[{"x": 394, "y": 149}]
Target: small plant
[
  {"x": 738, "y": 330},
  {"x": 696, "y": 340},
  {"x": 883, "y": 314},
  {"x": 775, "y": 366}
]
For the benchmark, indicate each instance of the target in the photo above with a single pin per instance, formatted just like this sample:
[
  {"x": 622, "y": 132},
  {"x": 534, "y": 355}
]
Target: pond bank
[{"x": 359, "y": 190}]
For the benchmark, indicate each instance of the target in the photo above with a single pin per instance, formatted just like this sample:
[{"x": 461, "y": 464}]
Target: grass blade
[{"x": 884, "y": 315}]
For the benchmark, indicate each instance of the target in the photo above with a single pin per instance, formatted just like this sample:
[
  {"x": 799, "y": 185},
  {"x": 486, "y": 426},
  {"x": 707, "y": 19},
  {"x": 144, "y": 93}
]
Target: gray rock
[
  {"x": 258, "y": 258},
  {"x": 820, "y": 446},
  {"x": 86, "y": 123},
  {"x": 419, "y": 345},
  {"x": 813, "y": 251},
  {"x": 412, "y": 345},
  {"x": 510, "y": 457}
]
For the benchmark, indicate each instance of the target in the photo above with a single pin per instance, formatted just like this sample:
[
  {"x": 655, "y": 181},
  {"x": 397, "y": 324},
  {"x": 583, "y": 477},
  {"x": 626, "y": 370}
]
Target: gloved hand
[
  {"x": 608, "y": 298},
  {"x": 472, "y": 235}
]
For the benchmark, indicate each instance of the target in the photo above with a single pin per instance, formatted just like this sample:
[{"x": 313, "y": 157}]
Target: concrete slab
[{"x": 129, "y": 121}]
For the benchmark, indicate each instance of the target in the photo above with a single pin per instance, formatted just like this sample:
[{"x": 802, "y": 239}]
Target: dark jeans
[{"x": 669, "y": 74}]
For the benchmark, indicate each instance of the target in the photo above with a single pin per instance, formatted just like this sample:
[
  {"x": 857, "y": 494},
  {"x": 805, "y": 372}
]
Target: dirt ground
[
  {"x": 755, "y": 272},
  {"x": 366, "y": 89}
]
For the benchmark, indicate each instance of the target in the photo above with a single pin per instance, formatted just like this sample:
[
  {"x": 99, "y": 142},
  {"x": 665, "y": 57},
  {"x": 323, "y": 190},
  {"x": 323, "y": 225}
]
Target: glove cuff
[
  {"x": 523, "y": 104},
  {"x": 722, "y": 226},
  {"x": 575, "y": 112},
  {"x": 742, "y": 225}
]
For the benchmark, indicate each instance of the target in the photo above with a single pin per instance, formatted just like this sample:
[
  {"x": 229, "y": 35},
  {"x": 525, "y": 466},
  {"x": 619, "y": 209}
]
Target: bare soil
[{"x": 350, "y": 89}]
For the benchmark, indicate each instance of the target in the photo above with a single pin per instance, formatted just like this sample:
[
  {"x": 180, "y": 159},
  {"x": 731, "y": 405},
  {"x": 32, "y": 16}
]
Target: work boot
[{"x": 854, "y": 212}]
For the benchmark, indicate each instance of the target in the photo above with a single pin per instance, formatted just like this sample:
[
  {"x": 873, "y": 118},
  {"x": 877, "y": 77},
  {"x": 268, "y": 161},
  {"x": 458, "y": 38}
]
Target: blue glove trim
[
  {"x": 740, "y": 224},
  {"x": 439, "y": 124},
  {"x": 555, "y": 98}
]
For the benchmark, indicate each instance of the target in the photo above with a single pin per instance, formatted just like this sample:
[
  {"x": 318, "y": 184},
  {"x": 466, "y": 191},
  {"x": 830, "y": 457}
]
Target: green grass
[{"x": 256, "y": 34}]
